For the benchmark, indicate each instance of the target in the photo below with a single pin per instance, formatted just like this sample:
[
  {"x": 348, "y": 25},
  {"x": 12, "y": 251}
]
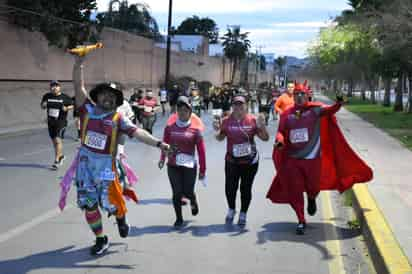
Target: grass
[
  {"x": 397, "y": 124},
  {"x": 354, "y": 224},
  {"x": 348, "y": 198}
]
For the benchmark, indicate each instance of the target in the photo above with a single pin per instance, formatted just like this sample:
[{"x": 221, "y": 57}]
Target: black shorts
[
  {"x": 56, "y": 129},
  {"x": 76, "y": 113}
]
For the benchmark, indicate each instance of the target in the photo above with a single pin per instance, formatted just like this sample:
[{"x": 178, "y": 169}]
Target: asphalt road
[{"x": 35, "y": 237}]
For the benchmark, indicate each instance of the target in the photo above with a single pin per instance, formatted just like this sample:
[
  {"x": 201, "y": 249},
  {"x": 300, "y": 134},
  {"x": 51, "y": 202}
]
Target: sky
[{"x": 280, "y": 27}]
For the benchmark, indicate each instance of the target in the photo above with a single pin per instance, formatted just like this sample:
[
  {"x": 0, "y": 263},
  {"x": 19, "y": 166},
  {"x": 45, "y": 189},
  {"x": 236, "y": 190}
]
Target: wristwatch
[{"x": 159, "y": 143}]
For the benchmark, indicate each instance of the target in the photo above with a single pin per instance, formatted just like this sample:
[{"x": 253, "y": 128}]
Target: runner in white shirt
[{"x": 163, "y": 99}]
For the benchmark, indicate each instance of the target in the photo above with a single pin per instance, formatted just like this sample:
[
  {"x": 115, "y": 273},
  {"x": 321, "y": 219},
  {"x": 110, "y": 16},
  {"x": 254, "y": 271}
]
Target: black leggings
[
  {"x": 148, "y": 122},
  {"x": 246, "y": 174},
  {"x": 183, "y": 181}
]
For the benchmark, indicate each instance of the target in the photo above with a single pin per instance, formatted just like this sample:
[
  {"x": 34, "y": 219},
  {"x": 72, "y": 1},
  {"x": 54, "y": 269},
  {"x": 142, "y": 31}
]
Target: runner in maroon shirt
[
  {"x": 242, "y": 158},
  {"x": 148, "y": 105},
  {"x": 185, "y": 137}
]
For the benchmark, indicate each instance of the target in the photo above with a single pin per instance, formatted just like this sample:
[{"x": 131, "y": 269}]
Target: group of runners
[{"x": 310, "y": 153}]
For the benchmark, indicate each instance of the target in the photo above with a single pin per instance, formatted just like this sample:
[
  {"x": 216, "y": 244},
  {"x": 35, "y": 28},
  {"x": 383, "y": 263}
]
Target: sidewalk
[{"x": 391, "y": 188}]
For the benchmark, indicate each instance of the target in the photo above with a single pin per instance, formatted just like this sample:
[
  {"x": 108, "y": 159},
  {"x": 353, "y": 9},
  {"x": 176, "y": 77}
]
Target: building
[
  {"x": 216, "y": 50},
  {"x": 197, "y": 44}
]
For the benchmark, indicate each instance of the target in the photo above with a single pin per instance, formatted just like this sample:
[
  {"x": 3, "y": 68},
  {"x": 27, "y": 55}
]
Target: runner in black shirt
[{"x": 57, "y": 105}]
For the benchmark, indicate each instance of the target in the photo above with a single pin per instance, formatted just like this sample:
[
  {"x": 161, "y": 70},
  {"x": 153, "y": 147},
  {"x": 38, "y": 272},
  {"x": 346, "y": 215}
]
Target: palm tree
[{"x": 236, "y": 46}]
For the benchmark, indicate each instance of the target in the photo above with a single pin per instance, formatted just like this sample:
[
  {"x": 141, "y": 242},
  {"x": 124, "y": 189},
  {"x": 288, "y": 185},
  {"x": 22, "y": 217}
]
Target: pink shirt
[
  {"x": 239, "y": 135},
  {"x": 186, "y": 139},
  {"x": 149, "y": 105}
]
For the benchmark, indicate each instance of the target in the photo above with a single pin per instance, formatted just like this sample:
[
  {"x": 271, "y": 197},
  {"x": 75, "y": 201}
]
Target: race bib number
[
  {"x": 148, "y": 109},
  {"x": 53, "y": 112},
  {"x": 95, "y": 140},
  {"x": 185, "y": 160},
  {"x": 163, "y": 97},
  {"x": 217, "y": 112},
  {"x": 242, "y": 150},
  {"x": 107, "y": 175},
  {"x": 300, "y": 135},
  {"x": 263, "y": 101}
]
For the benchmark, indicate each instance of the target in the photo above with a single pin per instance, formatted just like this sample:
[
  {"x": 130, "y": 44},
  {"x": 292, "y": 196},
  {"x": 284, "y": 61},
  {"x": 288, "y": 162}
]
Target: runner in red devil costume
[{"x": 311, "y": 154}]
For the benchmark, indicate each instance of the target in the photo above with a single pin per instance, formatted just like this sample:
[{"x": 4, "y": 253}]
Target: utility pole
[
  {"x": 286, "y": 72},
  {"x": 169, "y": 30}
]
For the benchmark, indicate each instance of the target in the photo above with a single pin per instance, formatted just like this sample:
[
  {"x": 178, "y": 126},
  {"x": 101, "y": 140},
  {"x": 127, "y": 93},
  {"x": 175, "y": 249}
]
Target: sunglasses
[{"x": 300, "y": 94}]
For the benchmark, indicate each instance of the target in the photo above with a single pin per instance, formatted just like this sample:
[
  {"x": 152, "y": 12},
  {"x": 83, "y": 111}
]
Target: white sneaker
[
  {"x": 230, "y": 215},
  {"x": 242, "y": 219}
]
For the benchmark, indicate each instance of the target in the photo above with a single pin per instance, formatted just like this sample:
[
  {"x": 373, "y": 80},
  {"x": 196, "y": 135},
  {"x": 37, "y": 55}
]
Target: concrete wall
[
  {"x": 29, "y": 62},
  {"x": 126, "y": 58}
]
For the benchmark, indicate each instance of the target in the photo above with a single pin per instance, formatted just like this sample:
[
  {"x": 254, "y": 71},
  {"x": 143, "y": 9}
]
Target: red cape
[{"x": 341, "y": 167}]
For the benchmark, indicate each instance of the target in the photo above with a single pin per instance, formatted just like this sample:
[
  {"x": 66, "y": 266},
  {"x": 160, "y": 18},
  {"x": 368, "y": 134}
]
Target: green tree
[
  {"x": 64, "y": 23},
  {"x": 135, "y": 18},
  {"x": 344, "y": 51},
  {"x": 235, "y": 46},
  {"x": 391, "y": 21},
  {"x": 200, "y": 26}
]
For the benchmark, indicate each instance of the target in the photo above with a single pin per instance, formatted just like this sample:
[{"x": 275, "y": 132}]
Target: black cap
[
  {"x": 183, "y": 100},
  {"x": 116, "y": 88},
  {"x": 239, "y": 99},
  {"x": 54, "y": 83}
]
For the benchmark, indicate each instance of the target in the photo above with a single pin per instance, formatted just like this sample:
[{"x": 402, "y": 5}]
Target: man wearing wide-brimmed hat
[{"x": 95, "y": 167}]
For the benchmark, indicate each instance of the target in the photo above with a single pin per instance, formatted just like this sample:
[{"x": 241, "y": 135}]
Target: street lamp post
[{"x": 169, "y": 28}]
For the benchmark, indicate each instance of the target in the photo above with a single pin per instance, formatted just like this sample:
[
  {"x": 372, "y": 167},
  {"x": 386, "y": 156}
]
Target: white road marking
[{"x": 26, "y": 226}]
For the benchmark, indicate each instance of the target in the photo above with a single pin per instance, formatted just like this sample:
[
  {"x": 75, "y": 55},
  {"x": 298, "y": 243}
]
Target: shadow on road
[
  {"x": 159, "y": 201},
  {"x": 24, "y": 165},
  {"x": 63, "y": 258},
  {"x": 314, "y": 235},
  {"x": 196, "y": 230}
]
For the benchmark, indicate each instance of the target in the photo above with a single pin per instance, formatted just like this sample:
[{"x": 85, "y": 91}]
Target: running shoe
[
  {"x": 61, "y": 160},
  {"x": 178, "y": 223},
  {"x": 300, "y": 229},
  {"x": 102, "y": 244},
  {"x": 123, "y": 227},
  {"x": 55, "y": 166},
  {"x": 242, "y": 219},
  {"x": 230, "y": 216}
]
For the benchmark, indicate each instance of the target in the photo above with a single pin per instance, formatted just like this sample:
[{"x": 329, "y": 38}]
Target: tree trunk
[
  {"x": 409, "y": 109},
  {"x": 233, "y": 71},
  {"x": 372, "y": 87},
  {"x": 335, "y": 86},
  {"x": 387, "y": 97},
  {"x": 398, "y": 106},
  {"x": 350, "y": 88},
  {"x": 363, "y": 91}
]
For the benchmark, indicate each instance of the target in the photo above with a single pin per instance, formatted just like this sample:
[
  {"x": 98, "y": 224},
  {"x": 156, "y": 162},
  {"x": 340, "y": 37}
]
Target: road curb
[{"x": 385, "y": 251}]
